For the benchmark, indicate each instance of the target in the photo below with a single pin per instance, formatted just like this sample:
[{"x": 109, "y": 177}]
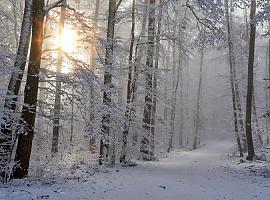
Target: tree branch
[
  {"x": 58, "y": 3},
  {"x": 117, "y": 6}
]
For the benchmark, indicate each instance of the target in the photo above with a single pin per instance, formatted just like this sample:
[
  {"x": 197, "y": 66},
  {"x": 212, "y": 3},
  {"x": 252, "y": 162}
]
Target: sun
[{"x": 68, "y": 40}]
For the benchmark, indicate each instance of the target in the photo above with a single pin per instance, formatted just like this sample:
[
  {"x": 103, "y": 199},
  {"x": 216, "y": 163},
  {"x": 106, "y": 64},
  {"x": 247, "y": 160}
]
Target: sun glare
[
  {"x": 68, "y": 40},
  {"x": 68, "y": 43}
]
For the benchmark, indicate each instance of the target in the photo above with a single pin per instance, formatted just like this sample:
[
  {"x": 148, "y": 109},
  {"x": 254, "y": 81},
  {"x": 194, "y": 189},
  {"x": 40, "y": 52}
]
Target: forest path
[{"x": 184, "y": 175}]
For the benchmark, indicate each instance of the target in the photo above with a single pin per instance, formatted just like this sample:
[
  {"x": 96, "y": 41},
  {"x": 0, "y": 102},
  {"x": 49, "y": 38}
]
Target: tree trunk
[
  {"x": 139, "y": 53},
  {"x": 145, "y": 148},
  {"x": 252, "y": 42},
  {"x": 25, "y": 138},
  {"x": 93, "y": 64},
  {"x": 14, "y": 12},
  {"x": 256, "y": 121},
  {"x": 155, "y": 79},
  {"x": 198, "y": 107},
  {"x": 174, "y": 97},
  {"x": 234, "y": 85},
  {"x": 129, "y": 88},
  {"x": 268, "y": 88},
  {"x": 167, "y": 63},
  {"x": 6, "y": 140},
  {"x": 58, "y": 79},
  {"x": 180, "y": 63},
  {"x": 104, "y": 143}
]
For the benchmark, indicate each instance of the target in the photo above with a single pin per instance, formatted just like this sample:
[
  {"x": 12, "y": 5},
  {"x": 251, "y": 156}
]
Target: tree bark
[
  {"x": 58, "y": 79},
  {"x": 155, "y": 78},
  {"x": 128, "y": 115},
  {"x": 176, "y": 80},
  {"x": 252, "y": 42},
  {"x": 25, "y": 138},
  {"x": 145, "y": 149},
  {"x": 256, "y": 121},
  {"x": 234, "y": 85},
  {"x": 104, "y": 143},
  {"x": 268, "y": 87},
  {"x": 165, "y": 115},
  {"x": 198, "y": 107},
  {"x": 6, "y": 138},
  {"x": 180, "y": 63},
  {"x": 139, "y": 52}
]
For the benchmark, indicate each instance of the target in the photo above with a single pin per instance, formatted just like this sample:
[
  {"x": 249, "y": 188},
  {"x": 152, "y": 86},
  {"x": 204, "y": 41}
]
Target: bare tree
[
  {"x": 6, "y": 138},
  {"x": 199, "y": 93},
  {"x": 252, "y": 42},
  {"x": 25, "y": 138},
  {"x": 109, "y": 59},
  {"x": 58, "y": 80},
  {"x": 128, "y": 114},
  {"x": 145, "y": 149},
  {"x": 234, "y": 85}
]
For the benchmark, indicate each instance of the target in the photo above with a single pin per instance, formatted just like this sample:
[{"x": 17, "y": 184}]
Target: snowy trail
[{"x": 187, "y": 176}]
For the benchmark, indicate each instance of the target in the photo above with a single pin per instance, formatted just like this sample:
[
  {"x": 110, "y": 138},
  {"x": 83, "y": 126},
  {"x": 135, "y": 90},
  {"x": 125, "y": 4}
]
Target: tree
[
  {"x": 58, "y": 82},
  {"x": 128, "y": 114},
  {"x": 234, "y": 86},
  {"x": 146, "y": 149},
  {"x": 268, "y": 86},
  {"x": 199, "y": 93},
  {"x": 252, "y": 42},
  {"x": 109, "y": 60},
  {"x": 25, "y": 137},
  {"x": 7, "y": 140},
  {"x": 93, "y": 63},
  {"x": 174, "y": 97}
]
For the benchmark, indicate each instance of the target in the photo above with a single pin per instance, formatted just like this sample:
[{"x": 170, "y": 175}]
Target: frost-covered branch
[{"x": 54, "y": 5}]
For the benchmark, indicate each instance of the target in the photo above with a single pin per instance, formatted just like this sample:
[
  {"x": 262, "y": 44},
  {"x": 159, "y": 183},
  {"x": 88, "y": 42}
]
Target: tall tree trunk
[
  {"x": 14, "y": 12},
  {"x": 129, "y": 88},
  {"x": 155, "y": 79},
  {"x": 256, "y": 121},
  {"x": 268, "y": 88},
  {"x": 71, "y": 138},
  {"x": 174, "y": 98},
  {"x": 252, "y": 42},
  {"x": 181, "y": 102},
  {"x": 104, "y": 143},
  {"x": 235, "y": 81},
  {"x": 139, "y": 53},
  {"x": 180, "y": 63},
  {"x": 25, "y": 138},
  {"x": 234, "y": 85},
  {"x": 145, "y": 149},
  {"x": 58, "y": 79},
  {"x": 6, "y": 137},
  {"x": 93, "y": 64},
  {"x": 167, "y": 63},
  {"x": 187, "y": 97},
  {"x": 198, "y": 106}
]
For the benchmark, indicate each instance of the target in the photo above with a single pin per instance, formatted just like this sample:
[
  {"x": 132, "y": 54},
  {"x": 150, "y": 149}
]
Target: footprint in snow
[{"x": 163, "y": 187}]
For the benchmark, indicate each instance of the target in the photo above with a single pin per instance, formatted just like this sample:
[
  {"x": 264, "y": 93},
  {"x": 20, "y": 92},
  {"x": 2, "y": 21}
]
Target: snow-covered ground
[{"x": 195, "y": 175}]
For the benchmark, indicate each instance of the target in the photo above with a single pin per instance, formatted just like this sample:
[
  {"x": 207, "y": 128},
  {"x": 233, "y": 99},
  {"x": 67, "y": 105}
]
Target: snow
[{"x": 188, "y": 175}]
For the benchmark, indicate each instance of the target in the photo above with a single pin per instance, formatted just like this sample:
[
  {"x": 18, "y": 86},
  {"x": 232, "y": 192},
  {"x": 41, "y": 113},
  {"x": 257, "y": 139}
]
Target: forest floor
[{"x": 202, "y": 174}]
